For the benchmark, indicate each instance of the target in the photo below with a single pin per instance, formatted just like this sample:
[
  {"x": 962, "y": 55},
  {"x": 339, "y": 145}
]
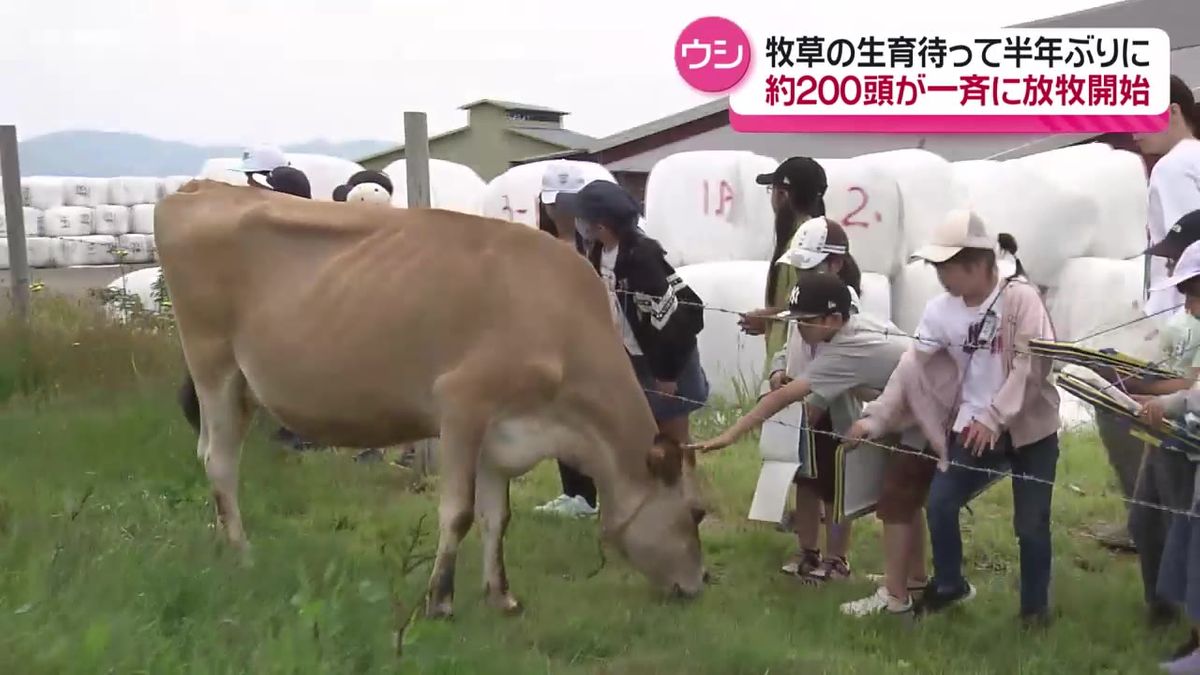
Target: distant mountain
[{"x": 104, "y": 154}]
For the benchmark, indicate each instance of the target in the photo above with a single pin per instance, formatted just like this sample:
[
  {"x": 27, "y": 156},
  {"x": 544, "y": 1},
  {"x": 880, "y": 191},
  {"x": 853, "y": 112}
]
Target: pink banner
[{"x": 949, "y": 124}]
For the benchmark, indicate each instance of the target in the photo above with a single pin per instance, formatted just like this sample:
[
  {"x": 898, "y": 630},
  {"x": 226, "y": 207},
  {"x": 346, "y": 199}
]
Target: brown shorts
[
  {"x": 826, "y": 454},
  {"x": 906, "y": 480}
]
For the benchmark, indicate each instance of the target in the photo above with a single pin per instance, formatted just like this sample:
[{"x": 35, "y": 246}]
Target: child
[
  {"x": 982, "y": 401},
  {"x": 856, "y": 358},
  {"x": 1164, "y": 478},
  {"x": 658, "y": 316},
  {"x": 1178, "y": 577}
]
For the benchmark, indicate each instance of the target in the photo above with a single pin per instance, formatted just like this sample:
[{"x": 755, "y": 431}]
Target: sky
[{"x": 285, "y": 71}]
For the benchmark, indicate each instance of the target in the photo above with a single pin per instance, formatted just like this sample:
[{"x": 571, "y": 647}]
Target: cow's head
[{"x": 661, "y": 536}]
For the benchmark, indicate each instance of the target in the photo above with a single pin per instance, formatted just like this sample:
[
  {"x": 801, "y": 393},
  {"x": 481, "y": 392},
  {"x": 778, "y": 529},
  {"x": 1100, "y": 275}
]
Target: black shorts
[{"x": 826, "y": 445}]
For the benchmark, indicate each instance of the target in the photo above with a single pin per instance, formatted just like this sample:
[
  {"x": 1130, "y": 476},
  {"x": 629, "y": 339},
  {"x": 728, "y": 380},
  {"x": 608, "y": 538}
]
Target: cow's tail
[{"x": 190, "y": 402}]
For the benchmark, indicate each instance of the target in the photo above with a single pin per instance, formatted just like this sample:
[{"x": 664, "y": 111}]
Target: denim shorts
[
  {"x": 692, "y": 385},
  {"x": 1179, "y": 571}
]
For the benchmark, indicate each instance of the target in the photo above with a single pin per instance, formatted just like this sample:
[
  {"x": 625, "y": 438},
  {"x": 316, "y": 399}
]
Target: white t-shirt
[
  {"x": 608, "y": 261},
  {"x": 1174, "y": 192},
  {"x": 946, "y": 323}
]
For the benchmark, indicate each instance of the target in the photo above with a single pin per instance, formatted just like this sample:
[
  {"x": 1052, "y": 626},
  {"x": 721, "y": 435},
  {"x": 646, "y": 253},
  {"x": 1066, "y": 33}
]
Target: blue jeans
[{"x": 954, "y": 488}]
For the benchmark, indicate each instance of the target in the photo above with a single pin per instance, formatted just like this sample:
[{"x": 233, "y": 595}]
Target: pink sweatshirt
[{"x": 924, "y": 387}]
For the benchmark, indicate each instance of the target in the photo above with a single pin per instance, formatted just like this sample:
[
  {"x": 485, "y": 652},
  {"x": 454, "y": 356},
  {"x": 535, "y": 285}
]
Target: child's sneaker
[
  {"x": 935, "y": 599},
  {"x": 1188, "y": 665},
  {"x": 879, "y": 601}
]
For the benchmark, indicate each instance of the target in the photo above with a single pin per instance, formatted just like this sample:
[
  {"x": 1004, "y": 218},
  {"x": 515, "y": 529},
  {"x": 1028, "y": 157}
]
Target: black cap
[
  {"x": 805, "y": 172},
  {"x": 1182, "y": 234},
  {"x": 370, "y": 176},
  {"x": 289, "y": 180},
  {"x": 602, "y": 201},
  {"x": 816, "y": 295}
]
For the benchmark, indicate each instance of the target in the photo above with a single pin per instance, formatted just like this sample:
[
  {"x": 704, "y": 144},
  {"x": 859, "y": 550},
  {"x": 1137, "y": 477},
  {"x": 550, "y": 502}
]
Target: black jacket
[{"x": 664, "y": 313}]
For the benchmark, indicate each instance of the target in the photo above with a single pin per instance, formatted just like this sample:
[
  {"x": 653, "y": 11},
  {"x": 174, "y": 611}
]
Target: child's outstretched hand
[
  {"x": 1152, "y": 412},
  {"x": 722, "y": 441}
]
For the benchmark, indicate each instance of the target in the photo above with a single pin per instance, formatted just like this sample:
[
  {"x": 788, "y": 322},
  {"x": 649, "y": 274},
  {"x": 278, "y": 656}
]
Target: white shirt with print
[
  {"x": 608, "y": 261},
  {"x": 946, "y": 323},
  {"x": 1174, "y": 192}
]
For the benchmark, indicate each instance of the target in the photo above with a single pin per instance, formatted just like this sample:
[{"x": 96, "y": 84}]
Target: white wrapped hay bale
[
  {"x": 912, "y": 288},
  {"x": 865, "y": 200},
  {"x": 513, "y": 195},
  {"x": 705, "y": 206},
  {"x": 1051, "y": 222},
  {"x": 171, "y": 184},
  {"x": 97, "y": 249},
  {"x": 67, "y": 221},
  {"x": 111, "y": 219},
  {"x": 86, "y": 192},
  {"x": 452, "y": 186},
  {"x": 138, "y": 248},
  {"x": 732, "y": 360},
  {"x": 142, "y": 219},
  {"x": 43, "y": 252},
  {"x": 1115, "y": 183},
  {"x": 1095, "y": 295},
  {"x": 43, "y": 192},
  {"x": 33, "y": 221},
  {"x": 927, "y": 191},
  {"x": 876, "y": 298},
  {"x": 224, "y": 170},
  {"x": 130, "y": 190},
  {"x": 324, "y": 172}
]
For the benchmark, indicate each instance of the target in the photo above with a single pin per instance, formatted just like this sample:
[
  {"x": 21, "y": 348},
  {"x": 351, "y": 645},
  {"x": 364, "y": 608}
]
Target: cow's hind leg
[
  {"x": 224, "y": 419},
  {"x": 461, "y": 436},
  {"x": 492, "y": 508}
]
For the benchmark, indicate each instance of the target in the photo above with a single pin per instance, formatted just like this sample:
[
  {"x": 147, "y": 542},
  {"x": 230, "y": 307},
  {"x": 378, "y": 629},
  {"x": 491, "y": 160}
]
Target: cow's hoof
[
  {"x": 439, "y": 610},
  {"x": 506, "y": 604}
]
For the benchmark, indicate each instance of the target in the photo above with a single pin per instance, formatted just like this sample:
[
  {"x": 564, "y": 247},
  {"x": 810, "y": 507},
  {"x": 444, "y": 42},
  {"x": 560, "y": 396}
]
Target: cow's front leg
[
  {"x": 459, "y": 449},
  {"x": 492, "y": 509}
]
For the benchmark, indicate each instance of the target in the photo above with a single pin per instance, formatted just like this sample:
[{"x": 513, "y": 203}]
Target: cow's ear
[{"x": 665, "y": 460}]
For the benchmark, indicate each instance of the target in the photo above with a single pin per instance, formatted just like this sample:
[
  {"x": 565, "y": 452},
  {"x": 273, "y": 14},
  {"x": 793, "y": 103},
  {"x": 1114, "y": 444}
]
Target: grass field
[{"x": 109, "y": 564}]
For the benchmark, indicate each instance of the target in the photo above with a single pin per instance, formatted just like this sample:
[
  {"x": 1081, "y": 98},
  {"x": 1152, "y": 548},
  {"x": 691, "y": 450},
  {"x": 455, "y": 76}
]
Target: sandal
[
  {"x": 831, "y": 569},
  {"x": 802, "y": 563}
]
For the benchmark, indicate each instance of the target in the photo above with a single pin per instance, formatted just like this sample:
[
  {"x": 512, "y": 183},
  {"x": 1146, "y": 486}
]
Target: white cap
[
  {"x": 960, "y": 229},
  {"x": 1186, "y": 268},
  {"x": 262, "y": 158},
  {"x": 811, "y": 245},
  {"x": 564, "y": 176},
  {"x": 369, "y": 192}
]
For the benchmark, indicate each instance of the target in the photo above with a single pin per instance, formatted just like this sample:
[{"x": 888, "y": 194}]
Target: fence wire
[{"x": 997, "y": 473}]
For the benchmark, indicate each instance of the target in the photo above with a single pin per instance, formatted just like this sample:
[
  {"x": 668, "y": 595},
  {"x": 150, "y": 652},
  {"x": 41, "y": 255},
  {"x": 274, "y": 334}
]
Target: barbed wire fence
[{"x": 1151, "y": 369}]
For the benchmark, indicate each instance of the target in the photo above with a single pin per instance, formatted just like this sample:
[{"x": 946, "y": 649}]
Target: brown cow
[{"x": 365, "y": 325}]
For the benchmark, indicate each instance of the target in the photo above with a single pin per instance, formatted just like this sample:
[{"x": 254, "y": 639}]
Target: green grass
[{"x": 108, "y": 562}]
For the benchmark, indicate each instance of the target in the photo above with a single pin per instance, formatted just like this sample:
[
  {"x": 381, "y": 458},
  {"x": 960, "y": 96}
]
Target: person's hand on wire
[
  {"x": 978, "y": 438},
  {"x": 724, "y": 440},
  {"x": 668, "y": 388},
  {"x": 754, "y": 323},
  {"x": 855, "y": 434},
  {"x": 778, "y": 379},
  {"x": 1152, "y": 411}
]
